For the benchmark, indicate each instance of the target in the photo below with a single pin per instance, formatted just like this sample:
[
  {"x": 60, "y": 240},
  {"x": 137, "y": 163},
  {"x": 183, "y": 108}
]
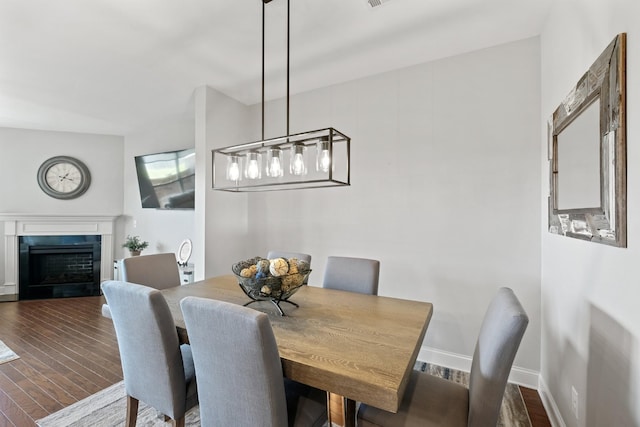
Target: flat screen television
[{"x": 167, "y": 180}]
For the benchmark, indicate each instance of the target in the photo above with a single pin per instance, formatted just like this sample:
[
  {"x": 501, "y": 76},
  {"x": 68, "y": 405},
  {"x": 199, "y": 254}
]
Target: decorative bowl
[{"x": 260, "y": 284}]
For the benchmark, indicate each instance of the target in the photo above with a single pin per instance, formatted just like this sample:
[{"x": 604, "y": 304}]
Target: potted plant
[{"x": 135, "y": 245}]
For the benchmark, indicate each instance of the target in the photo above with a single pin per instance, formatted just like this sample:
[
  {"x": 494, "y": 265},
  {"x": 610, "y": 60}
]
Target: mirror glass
[
  {"x": 579, "y": 161},
  {"x": 587, "y": 154}
]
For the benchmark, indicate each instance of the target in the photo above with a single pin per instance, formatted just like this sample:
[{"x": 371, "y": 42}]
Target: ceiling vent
[{"x": 376, "y": 3}]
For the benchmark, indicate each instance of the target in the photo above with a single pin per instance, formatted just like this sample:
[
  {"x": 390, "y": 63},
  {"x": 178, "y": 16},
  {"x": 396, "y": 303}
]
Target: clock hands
[{"x": 62, "y": 178}]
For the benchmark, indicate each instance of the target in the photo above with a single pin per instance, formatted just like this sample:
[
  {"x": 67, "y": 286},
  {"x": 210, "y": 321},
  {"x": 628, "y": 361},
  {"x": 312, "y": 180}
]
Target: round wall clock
[{"x": 64, "y": 177}]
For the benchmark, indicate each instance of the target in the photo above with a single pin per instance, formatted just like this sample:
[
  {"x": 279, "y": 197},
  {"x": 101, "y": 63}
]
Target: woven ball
[
  {"x": 291, "y": 281},
  {"x": 293, "y": 265},
  {"x": 263, "y": 266},
  {"x": 303, "y": 266},
  {"x": 278, "y": 267}
]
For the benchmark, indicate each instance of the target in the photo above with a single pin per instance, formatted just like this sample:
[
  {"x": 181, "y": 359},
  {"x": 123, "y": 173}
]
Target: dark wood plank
[
  {"x": 71, "y": 344},
  {"x": 72, "y": 382},
  {"x": 535, "y": 408},
  {"x": 13, "y": 412},
  {"x": 67, "y": 350}
]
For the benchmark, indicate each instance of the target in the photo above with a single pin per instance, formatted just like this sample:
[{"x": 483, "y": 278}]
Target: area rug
[
  {"x": 6, "y": 354},
  {"x": 108, "y": 407}
]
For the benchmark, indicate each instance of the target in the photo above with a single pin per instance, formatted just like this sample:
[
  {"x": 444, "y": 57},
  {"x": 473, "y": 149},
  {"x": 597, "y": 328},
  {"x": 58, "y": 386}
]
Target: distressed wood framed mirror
[{"x": 587, "y": 154}]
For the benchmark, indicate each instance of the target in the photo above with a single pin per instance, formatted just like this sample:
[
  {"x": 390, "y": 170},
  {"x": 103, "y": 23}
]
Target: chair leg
[
  {"x": 132, "y": 411},
  {"x": 179, "y": 422}
]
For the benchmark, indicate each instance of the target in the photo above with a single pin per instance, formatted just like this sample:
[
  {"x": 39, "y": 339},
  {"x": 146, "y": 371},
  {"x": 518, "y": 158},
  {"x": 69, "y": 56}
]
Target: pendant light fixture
[{"x": 285, "y": 162}]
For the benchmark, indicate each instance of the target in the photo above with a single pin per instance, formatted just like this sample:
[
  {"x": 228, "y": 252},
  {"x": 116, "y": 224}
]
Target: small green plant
[{"x": 134, "y": 244}]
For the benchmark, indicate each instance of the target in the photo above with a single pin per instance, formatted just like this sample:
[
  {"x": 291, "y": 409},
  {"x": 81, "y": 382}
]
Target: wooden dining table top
[{"x": 362, "y": 347}]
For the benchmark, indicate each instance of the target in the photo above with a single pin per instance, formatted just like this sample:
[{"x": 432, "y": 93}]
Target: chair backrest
[
  {"x": 237, "y": 364},
  {"x": 352, "y": 274},
  {"x": 159, "y": 271},
  {"x": 500, "y": 334},
  {"x": 287, "y": 255},
  {"x": 150, "y": 353}
]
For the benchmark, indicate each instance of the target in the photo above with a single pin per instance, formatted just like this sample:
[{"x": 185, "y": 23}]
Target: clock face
[{"x": 63, "y": 177}]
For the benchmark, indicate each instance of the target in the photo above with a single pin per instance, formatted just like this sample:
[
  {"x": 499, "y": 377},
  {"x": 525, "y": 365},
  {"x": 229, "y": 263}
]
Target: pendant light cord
[
  {"x": 288, "y": 59},
  {"x": 288, "y": 49},
  {"x": 263, "y": 8}
]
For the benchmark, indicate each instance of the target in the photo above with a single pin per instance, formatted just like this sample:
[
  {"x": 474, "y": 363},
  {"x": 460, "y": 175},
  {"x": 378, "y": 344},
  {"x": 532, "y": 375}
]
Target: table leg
[{"x": 341, "y": 411}]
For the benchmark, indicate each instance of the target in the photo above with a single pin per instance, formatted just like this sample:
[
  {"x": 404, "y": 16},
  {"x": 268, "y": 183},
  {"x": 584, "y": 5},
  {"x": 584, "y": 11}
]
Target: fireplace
[{"x": 59, "y": 266}]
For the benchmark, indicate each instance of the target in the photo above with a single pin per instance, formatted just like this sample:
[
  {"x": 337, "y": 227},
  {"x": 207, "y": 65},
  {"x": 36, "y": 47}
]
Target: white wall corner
[
  {"x": 555, "y": 418},
  {"x": 521, "y": 376}
]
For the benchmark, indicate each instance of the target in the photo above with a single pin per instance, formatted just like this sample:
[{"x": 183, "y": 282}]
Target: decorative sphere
[
  {"x": 291, "y": 281},
  {"x": 303, "y": 266},
  {"x": 246, "y": 272},
  {"x": 278, "y": 267},
  {"x": 263, "y": 266},
  {"x": 266, "y": 290},
  {"x": 293, "y": 265}
]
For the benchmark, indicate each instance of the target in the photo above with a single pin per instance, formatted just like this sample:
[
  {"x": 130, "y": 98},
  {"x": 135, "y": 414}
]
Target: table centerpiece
[{"x": 274, "y": 280}]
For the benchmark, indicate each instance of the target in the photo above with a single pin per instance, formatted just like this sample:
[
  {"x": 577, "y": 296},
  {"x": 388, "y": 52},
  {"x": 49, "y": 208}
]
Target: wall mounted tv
[{"x": 167, "y": 180}]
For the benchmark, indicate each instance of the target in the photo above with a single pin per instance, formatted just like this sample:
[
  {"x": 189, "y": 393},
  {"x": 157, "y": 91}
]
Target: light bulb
[
  {"x": 252, "y": 169},
  {"x": 233, "y": 168},
  {"x": 323, "y": 159},
  {"x": 298, "y": 166},
  {"x": 274, "y": 162},
  {"x": 275, "y": 169}
]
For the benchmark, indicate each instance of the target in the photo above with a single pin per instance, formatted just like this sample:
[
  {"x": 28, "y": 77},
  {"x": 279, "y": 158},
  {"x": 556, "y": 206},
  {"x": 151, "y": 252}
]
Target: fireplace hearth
[{"x": 59, "y": 266}]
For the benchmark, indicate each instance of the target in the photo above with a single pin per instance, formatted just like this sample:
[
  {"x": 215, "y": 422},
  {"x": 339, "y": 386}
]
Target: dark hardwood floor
[{"x": 68, "y": 351}]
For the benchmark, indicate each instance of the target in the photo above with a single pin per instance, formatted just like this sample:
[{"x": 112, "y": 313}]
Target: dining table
[{"x": 357, "y": 347}]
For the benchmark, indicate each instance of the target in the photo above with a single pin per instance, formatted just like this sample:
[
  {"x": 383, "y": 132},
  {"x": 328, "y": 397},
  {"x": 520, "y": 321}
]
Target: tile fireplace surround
[{"x": 16, "y": 225}]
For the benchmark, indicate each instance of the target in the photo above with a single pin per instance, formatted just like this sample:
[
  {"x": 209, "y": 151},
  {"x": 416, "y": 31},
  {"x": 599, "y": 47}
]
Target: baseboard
[
  {"x": 6, "y": 298},
  {"x": 550, "y": 404},
  {"x": 445, "y": 358},
  {"x": 521, "y": 376},
  {"x": 8, "y": 292}
]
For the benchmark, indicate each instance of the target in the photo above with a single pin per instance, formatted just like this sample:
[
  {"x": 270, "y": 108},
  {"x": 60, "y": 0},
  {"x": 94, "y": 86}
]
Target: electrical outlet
[{"x": 574, "y": 401}]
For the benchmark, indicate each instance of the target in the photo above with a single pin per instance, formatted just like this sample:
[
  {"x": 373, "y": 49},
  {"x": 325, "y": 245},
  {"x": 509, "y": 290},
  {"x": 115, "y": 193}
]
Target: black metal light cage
[
  {"x": 338, "y": 174},
  {"x": 335, "y": 146}
]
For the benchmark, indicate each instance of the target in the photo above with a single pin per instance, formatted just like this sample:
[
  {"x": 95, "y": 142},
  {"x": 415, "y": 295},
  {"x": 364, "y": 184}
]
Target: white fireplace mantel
[{"x": 16, "y": 225}]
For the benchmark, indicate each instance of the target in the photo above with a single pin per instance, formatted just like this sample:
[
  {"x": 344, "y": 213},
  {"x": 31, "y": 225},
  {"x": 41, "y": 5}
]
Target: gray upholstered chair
[
  {"x": 352, "y": 274},
  {"x": 239, "y": 370},
  {"x": 432, "y": 401},
  {"x": 159, "y": 271},
  {"x": 287, "y": 255},
  {"x": 156, "y": 368}
]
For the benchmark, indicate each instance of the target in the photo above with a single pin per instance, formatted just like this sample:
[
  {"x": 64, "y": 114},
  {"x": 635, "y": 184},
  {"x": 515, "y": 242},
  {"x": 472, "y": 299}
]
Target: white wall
[
  {"x": 590, "y": 292},
  {"x": 221, "y": 218},
  {"x": 23, "y": 151},
  {"x": 445, "y": 188},
  {"x": 163, "y": 229}
]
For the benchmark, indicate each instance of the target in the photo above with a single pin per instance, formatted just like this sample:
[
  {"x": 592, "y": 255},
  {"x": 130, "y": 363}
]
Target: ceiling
[{"x": 114, "y": 66}]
